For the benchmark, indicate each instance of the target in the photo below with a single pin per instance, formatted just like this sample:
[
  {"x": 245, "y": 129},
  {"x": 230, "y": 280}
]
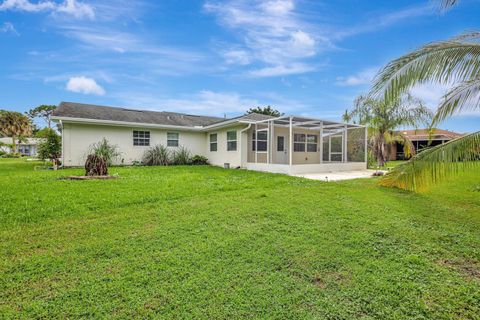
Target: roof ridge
[{"x": 138, "y": 110}]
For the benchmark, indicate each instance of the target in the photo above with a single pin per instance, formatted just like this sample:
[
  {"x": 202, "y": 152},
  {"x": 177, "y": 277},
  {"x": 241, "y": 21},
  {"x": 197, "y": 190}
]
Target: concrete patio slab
[{"x": 337, "y": 176}]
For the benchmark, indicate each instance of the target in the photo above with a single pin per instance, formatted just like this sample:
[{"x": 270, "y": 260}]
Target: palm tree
[
  {"x": 453, "y": 61},
  {"x": 14, "y": 124},
  {"x": 383, "y": 118}
]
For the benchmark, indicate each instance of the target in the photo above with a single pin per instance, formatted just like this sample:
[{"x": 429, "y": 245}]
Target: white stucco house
[
  {"x": 286, "y": 144},
  {"x": 26, "y": 147}
]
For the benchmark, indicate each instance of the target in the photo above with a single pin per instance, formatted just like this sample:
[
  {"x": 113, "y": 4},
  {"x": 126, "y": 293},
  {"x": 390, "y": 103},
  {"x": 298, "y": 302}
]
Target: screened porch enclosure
[{"x": 291, "y": 144}]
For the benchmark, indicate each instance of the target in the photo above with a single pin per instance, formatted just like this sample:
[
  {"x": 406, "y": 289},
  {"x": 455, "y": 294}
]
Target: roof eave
[{"x": 123, "y": 123}]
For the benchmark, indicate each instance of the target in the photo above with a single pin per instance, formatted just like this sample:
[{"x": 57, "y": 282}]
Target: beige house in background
[
  {"x": 26, "y": 147},
  {"x": 286, "y": 144}
]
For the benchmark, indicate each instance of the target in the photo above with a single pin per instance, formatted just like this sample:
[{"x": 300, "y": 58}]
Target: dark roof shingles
[{"x": 88, "y": 111}]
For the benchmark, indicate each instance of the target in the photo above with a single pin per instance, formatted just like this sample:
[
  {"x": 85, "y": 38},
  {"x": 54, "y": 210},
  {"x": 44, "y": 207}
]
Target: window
[
  {"x": 312, "y": 141},
  {"x": 213, "y": 142},
  {"x": 299, "y": 142},
  {"x": 231, "y": 140},
  {"x": 262, "y": 141},
  {"x": 172, "y": 139},
  {"x": 280, "y": 143},
  {"x": 141, "y": 138}
]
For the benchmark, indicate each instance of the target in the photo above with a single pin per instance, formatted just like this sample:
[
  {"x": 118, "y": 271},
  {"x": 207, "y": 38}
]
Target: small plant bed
[{"x": 89, "y": 178}]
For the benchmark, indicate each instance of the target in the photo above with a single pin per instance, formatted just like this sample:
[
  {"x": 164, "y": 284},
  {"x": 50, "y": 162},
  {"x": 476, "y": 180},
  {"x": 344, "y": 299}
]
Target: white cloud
[
  {"x": 70, "y": 7},
  {"x": 7, "y": 27},
  {"x": 278, "y": 7},
  {"x": 84, "y": 85},
  {"x": 241, "y": 57},
  {"x": 296, "y": 68},
  {"x": 76, "y": 9},
  {"x": 271, "y": 33},
  {"x": 432, "y": 93},
  {"x": 363, "y": 77},
  {"x": 207, "y": 102},
  {"x": 383, "y": 20},
  {"x": 26, "y": 5}
]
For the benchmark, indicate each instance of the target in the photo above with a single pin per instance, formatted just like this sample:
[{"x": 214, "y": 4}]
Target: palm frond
[
  {"x": 465, "y": 96},
  {"x": 436, "y": 164},
  {"x": 447, "y": 4},
  {"x": 454, "y": 60}
]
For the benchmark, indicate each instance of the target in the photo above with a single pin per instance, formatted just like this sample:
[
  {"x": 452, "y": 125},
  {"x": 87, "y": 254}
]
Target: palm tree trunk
[{"x": 14, "y": 144}]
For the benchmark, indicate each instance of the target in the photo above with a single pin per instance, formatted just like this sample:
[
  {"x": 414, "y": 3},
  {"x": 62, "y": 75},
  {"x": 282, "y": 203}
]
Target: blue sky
[{"x": 304, "y": 57}]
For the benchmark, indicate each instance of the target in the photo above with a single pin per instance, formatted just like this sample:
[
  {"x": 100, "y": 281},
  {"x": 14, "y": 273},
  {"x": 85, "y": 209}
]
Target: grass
[
  {"x": 388, "y": 165},
  {"x": 202, "y": 242}
]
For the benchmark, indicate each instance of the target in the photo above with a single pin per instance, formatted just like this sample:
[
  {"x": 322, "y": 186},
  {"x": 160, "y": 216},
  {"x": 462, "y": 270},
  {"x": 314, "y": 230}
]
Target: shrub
[
  {"x": 96, "y": 165},
  {"x": 181, "y": 156},
  {"x": 105, "y": 149},
  {"x": 12, "y": 155},
  {"x": 137, "y": 163},
  {"x": 51, "y": 147},
  {"x": 157, "y": 155},
  {"x": 199, "y": 160}
]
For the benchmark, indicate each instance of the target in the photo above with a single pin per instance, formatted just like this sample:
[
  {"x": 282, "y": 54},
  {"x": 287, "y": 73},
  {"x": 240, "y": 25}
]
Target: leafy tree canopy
[
  {"x": 14, "y": 124},
  {"x": 382, "y": 119},
  {"x": 51, "y": 148},
  {"x": 44, "y": 112},
  {"x": 269, "y": 111},
  {"x": 42, "y": 133}
]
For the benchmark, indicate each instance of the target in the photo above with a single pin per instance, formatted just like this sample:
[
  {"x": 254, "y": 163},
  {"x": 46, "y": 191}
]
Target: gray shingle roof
[
  {"x": 90, "y": 111},
  {"x": 255, "y": 117}
]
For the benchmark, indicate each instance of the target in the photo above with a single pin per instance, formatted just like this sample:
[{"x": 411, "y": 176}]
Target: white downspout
[
  {"x": 290, "y": 156},
  {"x": 321, "y": 142},
  {"x": 63, "y": 153},
  {"x": 256, "y": 143}
]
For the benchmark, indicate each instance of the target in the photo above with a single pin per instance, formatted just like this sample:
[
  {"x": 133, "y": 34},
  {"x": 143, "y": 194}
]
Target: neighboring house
[
  {"x": 26, "y": 147},
  {"x": 421, "y": 138},
  {"x": 253, "y": 141}
]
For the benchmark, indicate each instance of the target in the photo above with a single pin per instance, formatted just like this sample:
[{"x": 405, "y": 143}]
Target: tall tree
[
  {"x": 382, "y": 119},
  {"x": 14, "y": 124},
  {"x": 51, "y": 147},
  {"x": 269, "y": 111},
  {"x": 452, "y": 61},
  {"x": 44, "y": 112}
]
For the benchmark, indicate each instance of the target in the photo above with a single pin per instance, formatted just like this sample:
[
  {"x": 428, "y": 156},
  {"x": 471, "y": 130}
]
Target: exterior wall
[
  {"x": 392, "y": 152},
  {"x": 298, "y": 157},
  {"x": 222, "y": 156},
  {"x": 77, "y": 139}
]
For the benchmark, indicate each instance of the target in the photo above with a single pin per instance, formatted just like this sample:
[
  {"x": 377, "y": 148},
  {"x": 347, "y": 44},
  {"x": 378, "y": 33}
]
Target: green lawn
[{"x": 202, "y": 242}]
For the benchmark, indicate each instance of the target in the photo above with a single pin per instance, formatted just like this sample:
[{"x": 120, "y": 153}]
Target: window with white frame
[
  {"x": 259, "y": 139},
  {"x": 141, "y": 138},
  {"x": 172, "y": 139},
  {"x": 299, "y": 142},
  {"x": 312, "y": 142},
  {"x": 231, "y": 140},
  {"x": 213, "y": 142}
]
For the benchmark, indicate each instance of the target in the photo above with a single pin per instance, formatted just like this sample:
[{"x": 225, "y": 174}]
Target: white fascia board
[
  {"x": 123, "y": 123},
  {"x": 222, "y": 124}
]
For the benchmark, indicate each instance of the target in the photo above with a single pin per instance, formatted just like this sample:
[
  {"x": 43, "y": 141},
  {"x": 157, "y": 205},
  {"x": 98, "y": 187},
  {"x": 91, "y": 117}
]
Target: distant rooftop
[{"x": 433, "y": 134}]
